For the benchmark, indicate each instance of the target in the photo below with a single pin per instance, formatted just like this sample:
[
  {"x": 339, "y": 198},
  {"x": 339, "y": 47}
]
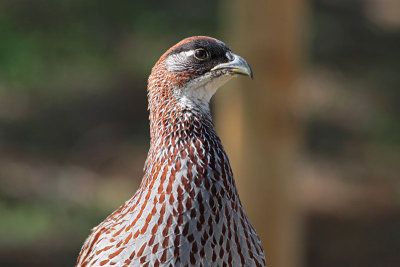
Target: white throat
[{"x": 198, "y": 92}]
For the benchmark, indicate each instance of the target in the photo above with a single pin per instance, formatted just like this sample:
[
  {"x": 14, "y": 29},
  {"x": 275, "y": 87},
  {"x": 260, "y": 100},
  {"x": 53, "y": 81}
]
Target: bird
[{"x": 187, "y": 210}]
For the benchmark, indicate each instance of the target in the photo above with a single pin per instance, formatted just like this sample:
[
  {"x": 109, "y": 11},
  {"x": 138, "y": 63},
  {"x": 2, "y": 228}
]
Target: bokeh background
[{"x": 314, "y": 139}]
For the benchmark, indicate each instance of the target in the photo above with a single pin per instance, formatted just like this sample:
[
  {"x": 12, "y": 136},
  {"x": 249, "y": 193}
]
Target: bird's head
[{"x": 192, "y": 70}]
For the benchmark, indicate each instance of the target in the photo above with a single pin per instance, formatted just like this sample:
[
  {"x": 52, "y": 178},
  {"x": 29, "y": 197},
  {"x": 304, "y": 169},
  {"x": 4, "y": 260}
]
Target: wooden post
[{"x": 256, "y": 122}]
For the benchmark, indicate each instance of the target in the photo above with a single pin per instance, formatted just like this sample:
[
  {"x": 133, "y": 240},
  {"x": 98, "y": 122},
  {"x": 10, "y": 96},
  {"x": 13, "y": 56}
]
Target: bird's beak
[{"x": 236, "y": 66}]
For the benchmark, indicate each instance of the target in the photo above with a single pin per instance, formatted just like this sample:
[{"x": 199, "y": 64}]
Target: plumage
[{"x": 187, "y": 210}]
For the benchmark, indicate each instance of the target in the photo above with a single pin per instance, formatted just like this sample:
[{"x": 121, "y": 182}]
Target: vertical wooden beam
[{"x": 256, "y": 122}]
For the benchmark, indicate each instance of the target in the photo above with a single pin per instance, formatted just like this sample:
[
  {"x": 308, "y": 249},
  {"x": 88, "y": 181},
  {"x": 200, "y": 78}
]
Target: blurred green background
[{"x": 74, "y": 125}]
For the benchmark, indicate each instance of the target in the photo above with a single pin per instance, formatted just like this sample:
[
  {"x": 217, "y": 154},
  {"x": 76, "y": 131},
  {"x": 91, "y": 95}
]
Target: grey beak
[{"x": 237, "y": 66}]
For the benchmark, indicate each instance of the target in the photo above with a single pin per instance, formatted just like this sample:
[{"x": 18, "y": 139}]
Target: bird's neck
[
  {"x": 185, "y": 146},
  {"x": 179, "y": 117},
  {"x": 178, "y": 126}
]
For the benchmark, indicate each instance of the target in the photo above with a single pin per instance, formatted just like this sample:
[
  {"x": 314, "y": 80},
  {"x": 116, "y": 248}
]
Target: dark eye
[{"x": 201, "y": 54}]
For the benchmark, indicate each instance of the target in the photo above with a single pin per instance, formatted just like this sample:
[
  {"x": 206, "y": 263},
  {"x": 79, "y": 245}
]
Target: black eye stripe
[
  {"x": 198, "y": 62},
  {"x": 215, "y": 49}
]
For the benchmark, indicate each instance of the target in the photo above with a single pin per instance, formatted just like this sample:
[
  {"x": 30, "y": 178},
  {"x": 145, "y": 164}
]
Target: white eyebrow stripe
[{"x": 176, "y": 62}]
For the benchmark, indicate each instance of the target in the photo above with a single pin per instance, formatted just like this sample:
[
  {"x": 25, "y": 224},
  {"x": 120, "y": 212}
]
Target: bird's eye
[{"x": 201, "y": 54}]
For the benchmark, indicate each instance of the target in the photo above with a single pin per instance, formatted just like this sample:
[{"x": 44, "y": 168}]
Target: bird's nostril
[{"x": 229, "y": 56}]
